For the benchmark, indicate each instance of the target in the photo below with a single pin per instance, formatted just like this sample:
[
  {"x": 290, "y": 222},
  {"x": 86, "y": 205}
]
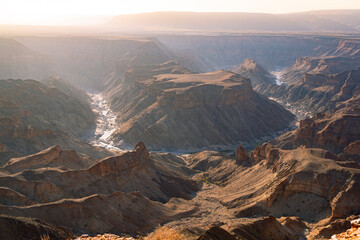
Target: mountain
[
  {"x": 168, "y": 107},
  {"x": 349, "y": 17},
  {"x": 217, "y": 21},
  {"x": 260, "y": 78}
]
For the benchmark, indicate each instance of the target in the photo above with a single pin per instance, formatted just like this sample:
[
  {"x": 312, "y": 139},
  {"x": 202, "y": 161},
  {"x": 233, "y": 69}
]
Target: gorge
[{"x": 180, "y": 131}]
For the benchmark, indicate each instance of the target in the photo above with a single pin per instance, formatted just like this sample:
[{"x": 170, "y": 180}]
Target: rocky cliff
[
  {"x": 191, "y": 111},
  {"x": 320, "y": 92},
  {"x": 337, "y": 133},
  {"x": 318, "y": 65}
]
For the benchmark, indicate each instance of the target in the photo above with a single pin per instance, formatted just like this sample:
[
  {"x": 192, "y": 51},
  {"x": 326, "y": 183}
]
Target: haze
[{"x": 75, "y": 12}]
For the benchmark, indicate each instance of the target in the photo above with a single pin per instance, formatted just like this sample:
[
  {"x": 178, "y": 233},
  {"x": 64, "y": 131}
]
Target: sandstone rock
[{"x": 241, "y": 155}]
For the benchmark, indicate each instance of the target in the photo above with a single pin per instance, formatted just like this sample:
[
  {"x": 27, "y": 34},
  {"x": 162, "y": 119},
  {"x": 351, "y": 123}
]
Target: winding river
[{"x": 105, "y": 124}]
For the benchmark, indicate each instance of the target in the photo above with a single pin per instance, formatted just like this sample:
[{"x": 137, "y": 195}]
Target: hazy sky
[{"x": 52, "y": 12}]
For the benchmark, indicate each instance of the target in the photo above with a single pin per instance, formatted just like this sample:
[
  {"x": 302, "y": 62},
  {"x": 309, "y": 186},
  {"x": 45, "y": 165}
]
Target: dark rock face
[
  {"x": 215, "y": 52},
  {"x": 192, "y": 111},
  {"x": 216, "y": 233},
  {"x": 266, "y": 228},
  {"x": 14, "y": 228},
  {"x": 241, "y": 155}
]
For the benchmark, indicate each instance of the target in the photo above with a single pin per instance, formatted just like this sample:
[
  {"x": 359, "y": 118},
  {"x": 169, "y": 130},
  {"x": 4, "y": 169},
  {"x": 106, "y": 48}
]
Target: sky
[{"x": 75, "y": 12}]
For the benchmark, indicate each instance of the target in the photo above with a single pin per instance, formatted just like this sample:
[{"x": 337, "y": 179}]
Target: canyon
[{"x": 194, "y": 133}]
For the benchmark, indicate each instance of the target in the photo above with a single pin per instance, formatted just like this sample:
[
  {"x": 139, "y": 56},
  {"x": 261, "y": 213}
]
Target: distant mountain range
[{"x": 323, "y": 21}]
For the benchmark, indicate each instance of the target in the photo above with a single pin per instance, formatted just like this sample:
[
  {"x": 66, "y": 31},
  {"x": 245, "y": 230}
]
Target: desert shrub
[
  {"x": 45, "y": 237},
  {"x": 164, "y": 233}
]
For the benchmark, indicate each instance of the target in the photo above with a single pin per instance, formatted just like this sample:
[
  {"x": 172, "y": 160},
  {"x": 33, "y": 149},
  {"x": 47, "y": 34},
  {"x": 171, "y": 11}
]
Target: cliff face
[
  {"x": 192, "y": 111},
  {"x": 214, "y": 52},
  {"x": 316, "y": 65},
  {"x": 320, "y": 92},
  {"x": 34, "y": 116},
  {"x": 334, "y": 132}
]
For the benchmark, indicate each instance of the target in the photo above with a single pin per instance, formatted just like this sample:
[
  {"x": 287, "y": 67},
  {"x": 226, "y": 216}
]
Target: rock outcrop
[
  {"x": 189, "y": 111},
  {"x": 241, "y": 155}
]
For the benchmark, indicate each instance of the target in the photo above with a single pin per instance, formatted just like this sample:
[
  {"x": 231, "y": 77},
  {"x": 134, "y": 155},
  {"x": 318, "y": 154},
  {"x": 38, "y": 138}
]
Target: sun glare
[{"x": 69, "y": 12}]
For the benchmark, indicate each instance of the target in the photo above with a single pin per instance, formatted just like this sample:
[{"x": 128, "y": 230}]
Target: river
[
  {"x": 277, "y": 74},
  {"x": 105, "y": 124}
]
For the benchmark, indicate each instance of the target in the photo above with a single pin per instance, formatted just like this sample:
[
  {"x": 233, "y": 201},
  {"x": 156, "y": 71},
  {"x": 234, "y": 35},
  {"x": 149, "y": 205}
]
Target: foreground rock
[
  {"x": 169, "y": 108},
  {"x": 311, "y": 186},
  {"x": 14, "y": 228},
  {"x": 109, "y": 196}
]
